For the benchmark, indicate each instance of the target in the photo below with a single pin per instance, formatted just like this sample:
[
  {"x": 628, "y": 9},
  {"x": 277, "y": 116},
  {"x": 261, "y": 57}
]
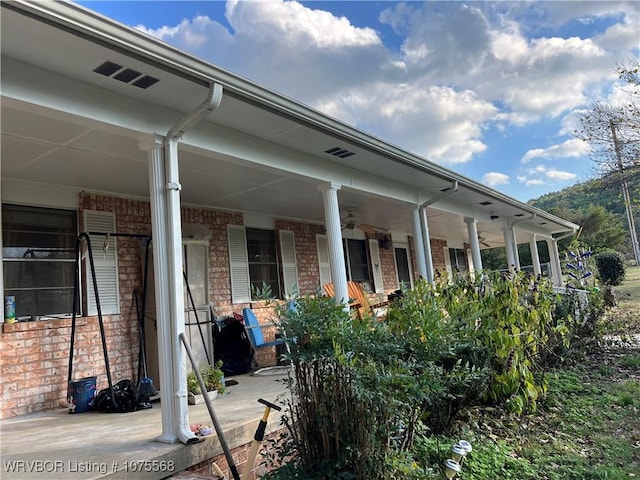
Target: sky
[{"x": 491, "y": 90}]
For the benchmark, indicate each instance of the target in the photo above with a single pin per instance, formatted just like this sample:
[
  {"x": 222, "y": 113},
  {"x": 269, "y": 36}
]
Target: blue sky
[{"x": 492, "y": 90}]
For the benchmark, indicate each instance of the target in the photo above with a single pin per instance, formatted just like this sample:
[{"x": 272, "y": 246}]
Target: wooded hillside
[{"x": 597, "y": 206}]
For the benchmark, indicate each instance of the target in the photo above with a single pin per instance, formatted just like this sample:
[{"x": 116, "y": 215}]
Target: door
[
  {"x": 403, "y": 266},
  {"x": 196, "y": 302}
]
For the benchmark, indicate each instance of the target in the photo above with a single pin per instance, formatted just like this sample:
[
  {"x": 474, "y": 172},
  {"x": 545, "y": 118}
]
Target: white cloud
[
  {"x": 438, "y": 122},
  {"x": 530, "y": 181},
  {"x": 495, "y": 178},
  {"x": 554, "y": 174},
  {"x": 436, "y": 91},
  {"x": 542, "y": 175},
  {"x": 571, "y": 148},
  {"x": 296, "y": 25}
]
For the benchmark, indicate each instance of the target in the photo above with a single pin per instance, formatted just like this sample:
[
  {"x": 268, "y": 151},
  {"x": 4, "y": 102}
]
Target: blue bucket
[{"x": 80, "y": 393}]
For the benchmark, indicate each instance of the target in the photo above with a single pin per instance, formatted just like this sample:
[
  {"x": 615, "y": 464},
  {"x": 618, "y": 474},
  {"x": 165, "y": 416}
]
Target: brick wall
[
  {"x": 263, "y": 464},
  {"x": 437, "y": 254},
  {"x": 34, "y": 360},
  {"x": 389, "y": 272}
]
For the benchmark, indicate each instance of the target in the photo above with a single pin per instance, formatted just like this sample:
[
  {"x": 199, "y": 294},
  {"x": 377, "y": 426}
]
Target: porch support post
[
  {"x": 418, "y": 242},
  {"x": 157, "y": 184},
  {"x": 176, "y": 291},
  {"x": 535, "y": 257},
  {"x": 508, "y": 246},
  {"x": 516, "y": 255},
  {"x": 554, "y": 260},
  {"x": 472, "y": 229},
  {"x": 426, "y": 240},
  {"x": 334, "y": 239}
]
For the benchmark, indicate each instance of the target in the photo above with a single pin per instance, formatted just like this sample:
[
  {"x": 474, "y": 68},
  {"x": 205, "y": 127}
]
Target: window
[
  {"x": 38, "y": 252},
  {"x": 194, "y": 259},
  {"x": 458, "y": 259},
  {"x": 263, "y": 260},
  {"x": 357, "y": 262},
  {"x": 402, "y": 266},
  {"x": 254, "y": 261}
]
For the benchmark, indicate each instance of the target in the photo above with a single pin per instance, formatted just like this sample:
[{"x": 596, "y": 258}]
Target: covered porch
[
  {"x": 93, "y": 445},
  {"x": 202, "y": 146}
]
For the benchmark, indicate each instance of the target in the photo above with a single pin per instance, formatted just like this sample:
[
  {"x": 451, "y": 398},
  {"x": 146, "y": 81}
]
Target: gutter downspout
[
  {"x": 424, "y": 226},
  {"x": 177, "y": 376}
]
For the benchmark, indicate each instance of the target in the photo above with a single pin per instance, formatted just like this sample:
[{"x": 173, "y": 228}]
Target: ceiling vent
[
  {"x": 339, "y": 152},
  {"x": 126, "y": 75}
]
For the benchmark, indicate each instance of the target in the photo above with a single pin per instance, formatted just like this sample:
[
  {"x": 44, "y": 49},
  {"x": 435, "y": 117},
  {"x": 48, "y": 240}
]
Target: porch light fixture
[
  {"x": 485, "y": 203},
  {"x": 451, "y": 468},
  {"x": 495, "y": 217}
]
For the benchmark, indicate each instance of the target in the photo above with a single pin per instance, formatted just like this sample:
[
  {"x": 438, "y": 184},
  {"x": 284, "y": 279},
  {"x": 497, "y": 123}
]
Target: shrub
[
  {"x": 360, "y": 390},
  {"x": 610, "y": 267}
]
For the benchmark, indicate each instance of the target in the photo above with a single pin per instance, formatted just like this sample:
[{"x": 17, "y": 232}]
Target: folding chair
[
  {"x": 358, "y": 299},
  {"x": 256, "y": 338}
]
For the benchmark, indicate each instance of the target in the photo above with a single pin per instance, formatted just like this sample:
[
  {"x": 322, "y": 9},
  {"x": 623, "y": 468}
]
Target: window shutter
[
  {"x": 376, "y": 266},
  {"x": 469, "y": 260},
  {"x": 447, "y": 263},
  {"x": 105, "y": 260},
  {"x": 289, "y": 266},
  {"x": 324, "y": 266},
  {"x": 238, "y": 264}
]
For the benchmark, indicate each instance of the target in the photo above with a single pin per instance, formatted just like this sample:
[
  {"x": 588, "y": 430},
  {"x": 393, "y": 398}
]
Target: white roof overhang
[{"x": 260, "y": 152}]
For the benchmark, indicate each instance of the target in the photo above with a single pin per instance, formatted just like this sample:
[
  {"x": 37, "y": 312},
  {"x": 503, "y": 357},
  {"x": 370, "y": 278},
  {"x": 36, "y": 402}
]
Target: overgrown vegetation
[{"x": 376, "y": 399}]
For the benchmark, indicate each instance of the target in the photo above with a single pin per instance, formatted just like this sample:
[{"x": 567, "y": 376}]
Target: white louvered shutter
[
  {"x": 324, "y": 265},
  {"x": 447, "y": 263},
  {"x": 105, "y": 260},
  {"x": 238, "y": 264},
  {"x": 289, "y": 266},
  {"x": 376, "y": 266}
]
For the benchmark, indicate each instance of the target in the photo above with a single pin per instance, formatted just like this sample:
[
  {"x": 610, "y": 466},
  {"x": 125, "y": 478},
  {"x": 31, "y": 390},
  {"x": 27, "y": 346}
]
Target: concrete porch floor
[{"x": 92, "y": 445}]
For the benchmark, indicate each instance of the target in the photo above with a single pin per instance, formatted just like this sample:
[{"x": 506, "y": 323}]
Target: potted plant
[{"x": 213, "y": 378}]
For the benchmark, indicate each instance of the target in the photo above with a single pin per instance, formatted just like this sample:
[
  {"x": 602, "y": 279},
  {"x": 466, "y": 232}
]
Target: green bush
[
  {"x": 610, "y": 267},
  {"x": 362, "y": 390}
]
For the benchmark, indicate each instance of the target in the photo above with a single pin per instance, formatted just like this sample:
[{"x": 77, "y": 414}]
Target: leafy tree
[
  {"x": 600, "y": 229},
  {"x": 613, "y": 132}
]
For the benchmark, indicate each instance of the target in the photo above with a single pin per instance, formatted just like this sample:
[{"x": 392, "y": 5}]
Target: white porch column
[
  {"x": 508, "y": 246},
  {"x": 516, "y": 255},
  {"x": 472, "y": 228},
  {"x": 554, "y": 260},
  {"x": 426, "y": 240},
  {"x": 176, "y": 291},
  {"x": 535, "y": 257},
  {"x": 418, "y": 242},
  {"x": 157, "y": 184},
  {"x": 334, "y": 240}
]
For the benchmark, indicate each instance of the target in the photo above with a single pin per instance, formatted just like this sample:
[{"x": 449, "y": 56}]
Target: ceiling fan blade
[
  {"x": 365, "y": 227},
  {"x": 486, "y": 244}
]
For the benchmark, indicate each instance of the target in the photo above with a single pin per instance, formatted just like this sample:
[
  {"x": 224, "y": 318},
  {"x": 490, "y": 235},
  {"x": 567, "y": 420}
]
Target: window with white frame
[
  {"x": 458, "y": 258},
  {"x": 38, "y": 253},
  {"x": 263, "y": 260}
]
